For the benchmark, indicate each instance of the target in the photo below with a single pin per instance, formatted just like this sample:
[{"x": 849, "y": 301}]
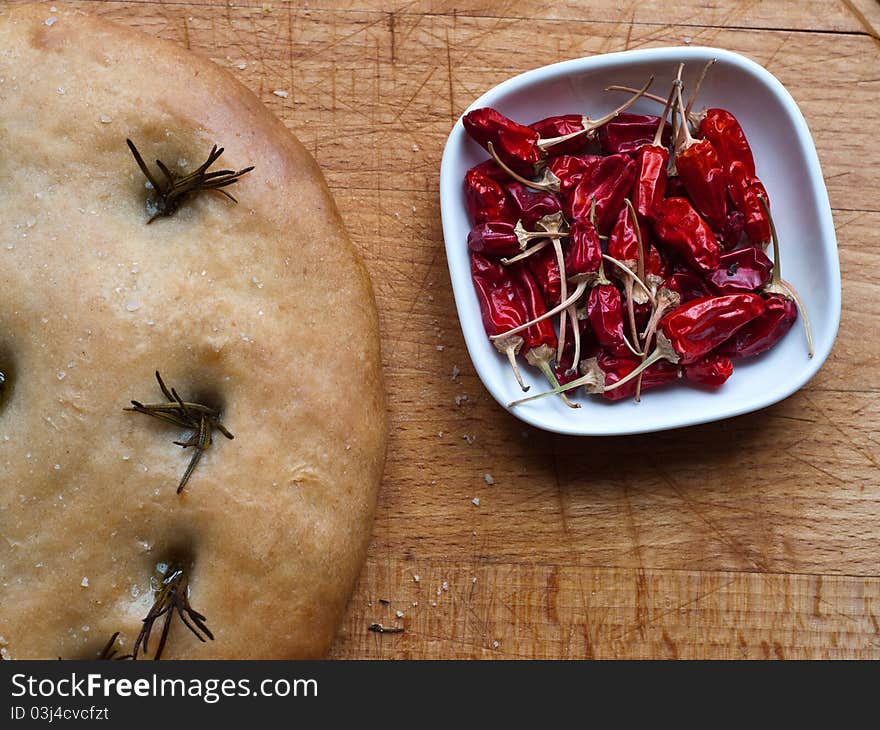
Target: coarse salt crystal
[
  {"x": 495, "y": 644},
  {"x": 440, "y": 348},
  {"x": 473, "y": 579},
  {"x": 105, "y": 119},
  {"x": 279, "y": 92},
  {"x": 242, "y": 66},
  {"x": 399, "y": 614},
  {"x": 488, "y": 478},
  {"x": 445, "y": 585},
  {"x": 85, "y": 582},
  {"x": 455, "y": 372},
  {"x": 57, "y": 467},
  {"x": 61, "y": 375},
  {"x": 476, "y": 501},
  {"x": 417, "y": 578},
  {"x": 459, "y": 399},
  {"x": 51, "y": 20},
  {"x": 132, "y": 305}
]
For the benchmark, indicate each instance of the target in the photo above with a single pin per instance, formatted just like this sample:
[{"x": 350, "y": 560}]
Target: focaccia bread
[{"x": 260, "y": 311}]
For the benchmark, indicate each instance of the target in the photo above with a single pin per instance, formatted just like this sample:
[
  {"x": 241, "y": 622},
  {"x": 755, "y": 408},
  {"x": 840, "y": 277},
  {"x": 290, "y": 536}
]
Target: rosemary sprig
[
  {"x": 201, "y": 419},
  {"x": 109, "y": 650},
  {"x": 172, "y": 189},
  {"x": 171, "y": 592}
]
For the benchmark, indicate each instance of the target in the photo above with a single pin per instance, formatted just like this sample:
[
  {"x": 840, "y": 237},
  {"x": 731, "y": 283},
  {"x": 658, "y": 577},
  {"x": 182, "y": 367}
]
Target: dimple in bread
[{"x": 260, "y": 309}]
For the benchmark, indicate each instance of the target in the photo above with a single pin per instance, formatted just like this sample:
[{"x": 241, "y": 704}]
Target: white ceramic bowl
[{"x": 788, "y": 166}]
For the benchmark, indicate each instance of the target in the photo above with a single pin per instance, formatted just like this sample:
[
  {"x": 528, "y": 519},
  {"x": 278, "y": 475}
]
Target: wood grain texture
[{"x": 754, "y": 538}]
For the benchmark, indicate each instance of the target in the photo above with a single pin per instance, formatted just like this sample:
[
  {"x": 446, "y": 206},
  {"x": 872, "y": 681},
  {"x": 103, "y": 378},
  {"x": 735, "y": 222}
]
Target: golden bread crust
[{"x": 263, "y": 306}]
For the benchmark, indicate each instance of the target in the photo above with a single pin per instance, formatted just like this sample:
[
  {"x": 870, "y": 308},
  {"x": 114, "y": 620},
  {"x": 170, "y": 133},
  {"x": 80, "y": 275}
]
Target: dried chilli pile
[{"x": 645, "y": 237}]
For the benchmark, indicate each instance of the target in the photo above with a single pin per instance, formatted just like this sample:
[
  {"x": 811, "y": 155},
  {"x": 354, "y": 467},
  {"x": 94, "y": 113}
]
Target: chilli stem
[
  {"x": 511, "y": 355},
  {"x": 777, "y": 285},
  {"x": 528, "y": 252},
  {"x": 692, "y": 98},
  {"x": 576, "y": 333},
  {"x": 676, "y": 84},
  {"x": 549, "y": 313},
  {"x": 547, "y": 187},
  {"x": 593, "y": 125}
]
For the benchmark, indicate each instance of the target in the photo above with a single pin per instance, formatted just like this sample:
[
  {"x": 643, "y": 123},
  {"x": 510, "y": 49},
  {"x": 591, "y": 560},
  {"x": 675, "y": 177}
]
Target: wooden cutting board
[{"x": 757, "y": 537}]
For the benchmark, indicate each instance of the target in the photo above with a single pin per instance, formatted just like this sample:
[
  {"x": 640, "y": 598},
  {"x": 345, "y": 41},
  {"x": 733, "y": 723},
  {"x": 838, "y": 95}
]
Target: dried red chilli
[
  {"x": 571, "y": 169},
  {"x": 540, "y": 338},
  {"x": 616, "y": 368},
  {"x": 515, "y": 144},
  {"x": 696, "y": 328},
  {"x": 583, "y": 254},
  {"x": 608, "y": 184},
  {"x": 605, "y": 310},
  {"x": 521, "y": 148},
  {"x": 723, "y": 130},
  {"x": 583, "y": 267},
  {"x": 731, "y": 236},
  {"x": 501, "y": 239},
  {"x": 566, "y": 368},
  {"x": 492, "y": 170},
  {"x": 626, "y": 244},
  {"x": 494, "y": 238},
  {"x": 651, "y": 166},
  {"x": 528, "y": 206},
  {"x": 564, "y": 125},
  {"x": 745, "y": 193},
  {"x": 693, "y": 330},
  {"x": 486, "y": 200},
  {"x": 501, "y": 307},
  {"x": 713, "y": 370},
  {"x": 759, "y": 335},
  {"x": 623, "y": 242},
  {"x": 629, "y": 132},
  {"x": 546, "y": 272},
  {"x": 679, "y": 227},
  {"x": 703, "y": 176},
  {"x": 744, "y": 269},
  {"x": 687, "y": 285}
]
